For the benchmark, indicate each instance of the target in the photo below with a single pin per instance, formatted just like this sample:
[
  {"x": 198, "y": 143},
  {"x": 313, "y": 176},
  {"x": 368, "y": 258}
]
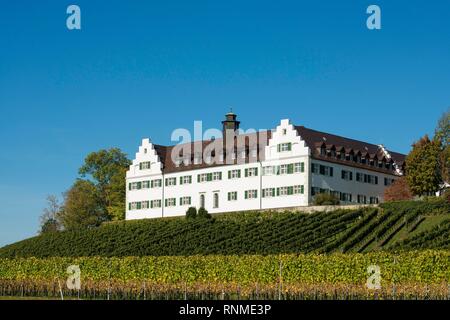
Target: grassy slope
[{"x": 254, "y": 233}]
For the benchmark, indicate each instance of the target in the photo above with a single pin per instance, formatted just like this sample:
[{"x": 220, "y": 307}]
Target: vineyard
[
  {"x": 406, "y": 275},
  {"x": 392, "y": 226}
]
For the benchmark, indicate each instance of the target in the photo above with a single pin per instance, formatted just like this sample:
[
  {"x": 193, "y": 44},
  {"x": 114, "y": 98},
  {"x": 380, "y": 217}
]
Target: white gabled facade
[{"x": 284, "y": 175}]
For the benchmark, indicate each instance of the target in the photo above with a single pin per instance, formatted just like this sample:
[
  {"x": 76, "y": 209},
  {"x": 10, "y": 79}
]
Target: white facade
[{"x": 281, "y": 178}]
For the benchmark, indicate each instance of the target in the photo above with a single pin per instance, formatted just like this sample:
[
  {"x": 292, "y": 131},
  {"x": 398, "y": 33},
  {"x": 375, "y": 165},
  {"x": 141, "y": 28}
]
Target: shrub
[
  {"x": 191, "y": 213},
  {"x": 203, "y": 213},
  {"x": 398, "y": 191},
  {"x": 325, "y": 199}
]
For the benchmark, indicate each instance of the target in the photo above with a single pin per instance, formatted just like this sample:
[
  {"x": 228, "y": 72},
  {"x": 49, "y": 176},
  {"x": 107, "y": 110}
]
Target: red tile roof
[{"x": 313, "y": 139}]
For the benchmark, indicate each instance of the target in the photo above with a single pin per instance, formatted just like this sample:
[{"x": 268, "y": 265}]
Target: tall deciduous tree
[
  {"x": 442, "y": 134},
  {"x": 423, "y": 170},
  {"x": 107, "y": 168},
  {"x": 82, "y": 207},
  {"x": 49, "y": 218}
]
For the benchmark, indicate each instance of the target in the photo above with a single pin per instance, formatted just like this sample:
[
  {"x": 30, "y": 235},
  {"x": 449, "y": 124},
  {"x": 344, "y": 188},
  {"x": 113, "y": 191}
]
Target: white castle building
[{"x": 281, "y": 168}]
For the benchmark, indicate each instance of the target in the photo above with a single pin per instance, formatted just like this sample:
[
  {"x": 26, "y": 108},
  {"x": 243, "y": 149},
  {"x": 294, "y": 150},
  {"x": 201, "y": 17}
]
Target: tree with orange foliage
[{"x": 399, "y": 190}]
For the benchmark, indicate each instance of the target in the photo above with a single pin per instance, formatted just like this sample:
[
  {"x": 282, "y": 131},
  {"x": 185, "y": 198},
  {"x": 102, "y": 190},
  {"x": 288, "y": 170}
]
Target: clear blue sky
[{"x": 143, "y": 68}]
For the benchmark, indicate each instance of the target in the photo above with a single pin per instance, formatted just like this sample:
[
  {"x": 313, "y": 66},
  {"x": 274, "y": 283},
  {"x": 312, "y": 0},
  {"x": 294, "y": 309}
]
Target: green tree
[
  {"x": 49, "y": 218},
  {"x": 325, "y": 199},
  {"x": 203, "y": 214},
  {"x": 108, "y": 168},
  {"x": 423, "y": 169},
  {"x": 49, "y": 226},
  {"x": 82, "y": 207},
  {"x": 442, "y": 134},
  {"x": 191, "y": 213}
]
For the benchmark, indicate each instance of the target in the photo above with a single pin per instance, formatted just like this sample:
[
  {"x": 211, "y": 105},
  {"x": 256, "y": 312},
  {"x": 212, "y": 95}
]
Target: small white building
[{"x": 281, "y": 168}]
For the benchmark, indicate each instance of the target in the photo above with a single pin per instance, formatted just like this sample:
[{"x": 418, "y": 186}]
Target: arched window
[
  {"x": 216, "y": 200},
  {"x": 202, "y": 201}
]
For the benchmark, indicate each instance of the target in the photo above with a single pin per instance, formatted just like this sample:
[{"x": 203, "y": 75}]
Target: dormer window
[
  {"x": 145, "y": 150},
  {"x": 284, "y": 132},
  {"x": 323, "y": 151}
]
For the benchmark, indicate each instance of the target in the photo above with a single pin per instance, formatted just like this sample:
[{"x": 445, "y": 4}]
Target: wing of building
[{"x": 280, "y": 168}]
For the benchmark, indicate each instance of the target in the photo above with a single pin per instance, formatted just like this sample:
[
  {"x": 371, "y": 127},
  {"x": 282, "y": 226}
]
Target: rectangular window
[
  {"x": 283, "y": 169},
  {"x": 251, "y": 194},
  {"x": 156, "y": 183},
  {"x": 232, "y": 196},
  {"x": 388, "y": 181},
  {"x": 347, "y": 175},
  {"x": 373, "y": 200},
  {"x": 144, "y": 165},
  {"x": 146, "y": 184},
  {"x": 155, "y": 204},
  {"x": 299, "y": 167},
  {"x": 251, "y": 172},
  {"x": 268, "y": 171},
  {"x": 284, "y": 147},
  {"x": 315, "y": 168},
  {"x": 268, "y": 193},
  {"x": 185, "y": 201},
  {"x": 299, "y": 189},
  {"x": 346, "y": 197},
  {"x": 362, "y": 199},
  {"x": 185, "y": 180},
  {"x": 234, "y": 174},
  {"x": 171, "y": 202},
  {"x": 145, "y": 204},
  {"x": 359, "y": 177},
  {"x": 171, "y": 182},
  {"x": 205, "y": 177}
]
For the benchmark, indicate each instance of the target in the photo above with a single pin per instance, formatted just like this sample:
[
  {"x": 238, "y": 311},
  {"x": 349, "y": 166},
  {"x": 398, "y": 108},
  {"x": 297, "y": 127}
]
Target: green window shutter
[
  {"x": 302, "y": 189},
  {"x": 302, "y": 167},
  {"x": 166, "y": 182},
  {"x": 291, "y": 168},
  {"x": 273, "y": 191},
  {"x": 198, "y": 178},
  {"x": 129, "y": 186},
  {"x": 165, "y": 202},
  {"x": 256, "y": 171},
  {"x": 129, "y": 206},
  {"x": 246, "y": 172},
  {"x": 220, "y": 175},
  {"x": 139, "y": 205},
  {"x": 229, "y": 196},
  {"x": 278, "y": 191},
  {"x": 209, "y": 177},
  {"x": 229, "y": 176},
  {"x": 290, "y": 146},
  {"x": 140, "y": 166},
  {"x": 152, "y": 184},
  {"x": 239, "y": 173},
  {"x": 181, "y": 181},
  {"x": 291, "y": 190},
  {"x": 279, "y": 147},
  {"x": 256, "y": 193},
  {"x": 151, "y": 204},
  {"x": 190, "y": 179},
  {"x": 263, "y": 194},
  {"x": 246, "y": 194},
  {"x": 139, "y": 185}
]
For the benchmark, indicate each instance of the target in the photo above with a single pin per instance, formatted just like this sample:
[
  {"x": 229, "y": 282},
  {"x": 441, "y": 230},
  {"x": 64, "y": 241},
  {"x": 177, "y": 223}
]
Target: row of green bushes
[
  {"x": 407, "y": 267},
  {"x": 234, "y": 233}
]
